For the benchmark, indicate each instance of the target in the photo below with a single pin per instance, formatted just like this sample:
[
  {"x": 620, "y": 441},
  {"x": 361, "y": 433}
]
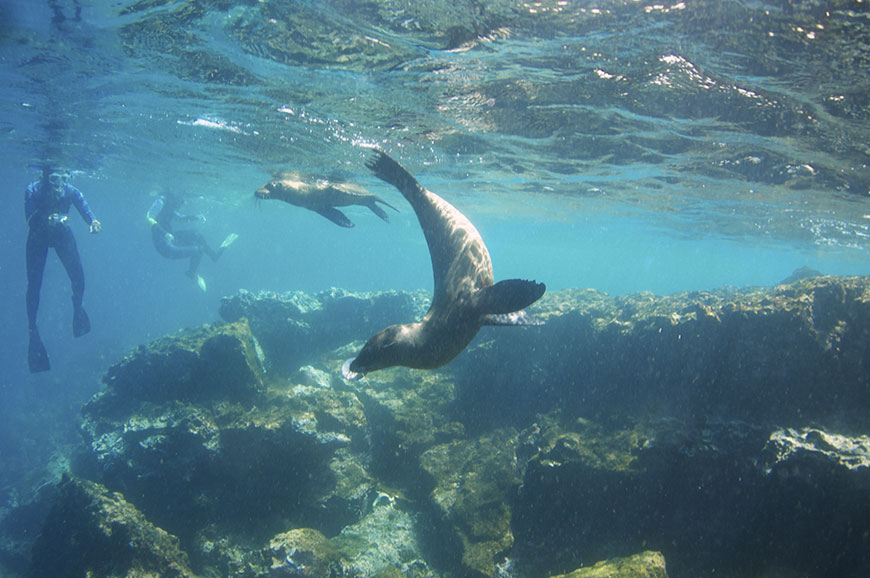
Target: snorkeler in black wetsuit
[
  {"x": 183, "y": 244},
  {"x": 46, "y": 204}
]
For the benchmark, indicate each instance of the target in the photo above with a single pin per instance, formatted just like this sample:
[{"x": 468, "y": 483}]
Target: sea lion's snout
[
  {"x": 268, "y": 190},
  {"x": 348, "y": 373}
]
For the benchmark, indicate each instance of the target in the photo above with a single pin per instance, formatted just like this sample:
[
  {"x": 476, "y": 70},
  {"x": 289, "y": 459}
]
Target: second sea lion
[{"x": 322, "y": 197}]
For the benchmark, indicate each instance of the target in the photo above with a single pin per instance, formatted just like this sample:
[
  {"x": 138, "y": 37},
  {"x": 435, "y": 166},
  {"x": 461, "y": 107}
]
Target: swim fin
[
  {"x": 37, "y": 356},
  {"x": 231, "y": 238},
  {"x": 81, "y": 323}
]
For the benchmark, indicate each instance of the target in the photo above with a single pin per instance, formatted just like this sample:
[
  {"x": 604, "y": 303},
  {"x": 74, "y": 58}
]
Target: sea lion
[
  {"x": 465, "y": 297},
  {"x": 322, "y": 197}
]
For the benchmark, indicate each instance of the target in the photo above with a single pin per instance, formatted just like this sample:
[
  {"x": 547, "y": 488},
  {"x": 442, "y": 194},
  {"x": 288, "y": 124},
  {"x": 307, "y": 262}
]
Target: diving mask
[{"x": 57, "y": 179}]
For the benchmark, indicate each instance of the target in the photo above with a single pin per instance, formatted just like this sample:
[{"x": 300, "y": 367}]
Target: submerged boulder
[
  {"x": 475, "y": 481},
  {"x": 295, "y": 328},
  {"x": 644, "y": 565},
  {"x": 188, "y": 426},
  {"x": 215, "y": 362},
  {"x": 91, "y": 531},
  {"x": 698, "y": 492},
  {"x": 725, "y": 430},
  {"x": 789, "y": 354}
]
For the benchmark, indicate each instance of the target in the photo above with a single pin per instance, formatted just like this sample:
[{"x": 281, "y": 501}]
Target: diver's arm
[
  {"x": 31, "y": 200},
  {"x": 78, "y": 199},
  {"x": 153, "y": 211}
]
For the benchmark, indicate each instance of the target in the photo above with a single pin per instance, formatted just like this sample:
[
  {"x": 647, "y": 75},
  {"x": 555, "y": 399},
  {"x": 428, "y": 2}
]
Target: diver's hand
[{"x": 96, "y": 226}]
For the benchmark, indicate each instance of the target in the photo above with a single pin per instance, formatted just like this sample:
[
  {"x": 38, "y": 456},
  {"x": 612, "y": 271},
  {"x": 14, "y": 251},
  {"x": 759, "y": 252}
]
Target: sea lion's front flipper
[
  {"x": 508, "y": 296},
  {"x": 336, "y": 217}
]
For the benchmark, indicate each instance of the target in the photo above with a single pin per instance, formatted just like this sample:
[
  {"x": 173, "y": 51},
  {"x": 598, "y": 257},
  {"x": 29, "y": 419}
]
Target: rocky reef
[{"x": 722, "y": 432}]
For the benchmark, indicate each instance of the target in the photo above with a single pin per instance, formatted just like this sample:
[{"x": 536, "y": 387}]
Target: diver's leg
[
  {"x": 68, "y": 252},
  {"x": 36, "y": 252},
  {"x": 197, "y": 239},
  {"x": 195, "y": 258}
]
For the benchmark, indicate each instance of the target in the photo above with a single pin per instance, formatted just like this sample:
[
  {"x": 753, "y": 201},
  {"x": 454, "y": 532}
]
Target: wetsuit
[
  {"x": 176, "y": 244},
  {"x": 46, "y": 212}
]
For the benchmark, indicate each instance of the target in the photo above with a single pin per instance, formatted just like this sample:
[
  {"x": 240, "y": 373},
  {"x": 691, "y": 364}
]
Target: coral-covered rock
[
  {"x": 295, "y": 328},
  {"x": 217, "y": 362},
  {"x": 643, "y": 565},
  {"x": 697, "y": 492},
  {"x": 474, "y": 482},
  {"x": 619, "y": 426},
  {"x": 91, "y": 531},
  {"x": 303, "y": 552},
  {"x": 791, "y": 353},
  {"x": 245, "y": 460}
]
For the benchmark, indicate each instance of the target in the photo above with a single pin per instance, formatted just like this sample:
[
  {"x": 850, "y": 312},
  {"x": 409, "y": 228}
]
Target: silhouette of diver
[
  {"x": 183, "y": 244},
  {"x": 46, "y": 204}
]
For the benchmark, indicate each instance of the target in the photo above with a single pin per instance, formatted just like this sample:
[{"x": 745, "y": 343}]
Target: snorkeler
[
  {"x": 184, "y": 244},
  {"x": 46, "y": 204}
]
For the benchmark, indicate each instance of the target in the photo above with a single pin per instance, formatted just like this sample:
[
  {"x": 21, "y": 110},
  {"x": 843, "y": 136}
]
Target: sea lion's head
[
  {"x": 268, "y": 190},
  {"x": 392, "y": 346}
]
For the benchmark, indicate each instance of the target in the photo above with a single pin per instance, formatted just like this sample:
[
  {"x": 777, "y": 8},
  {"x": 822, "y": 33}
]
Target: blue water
[{"x": 636, "y": 148}]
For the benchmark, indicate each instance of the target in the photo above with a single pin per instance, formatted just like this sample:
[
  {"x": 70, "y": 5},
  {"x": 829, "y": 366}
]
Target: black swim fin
[
  {"x": 81, "y": 323},
  {"x": 508, "y": 296},
  {"x": 37, "y": 356}
]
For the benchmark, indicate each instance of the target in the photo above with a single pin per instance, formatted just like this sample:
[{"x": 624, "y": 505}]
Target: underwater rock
[
  {"x": 220, "y": 361},
  {"x": 475, "y": 481},
  {"x": 93, "y": 532},
  {"x": 829, "y": 451},
  {"x": 644, "y": 565},
  {"x": 800, "y": 273},
  {"x": 787, "y": 354},
  {"x": 595, "y": 491},
  {"x": 189, "y": 431},
  {"x": 621, "y": 425},
  {"x": 295, "y": 328},
  {"x": 385, "y": 541},
  {"x": 303, "y": 552}
]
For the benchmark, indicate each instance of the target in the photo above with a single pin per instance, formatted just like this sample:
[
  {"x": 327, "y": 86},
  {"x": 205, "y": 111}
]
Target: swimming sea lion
[
  {"x": 322, "y": 197},
  {"x": 465, "y": 297}
]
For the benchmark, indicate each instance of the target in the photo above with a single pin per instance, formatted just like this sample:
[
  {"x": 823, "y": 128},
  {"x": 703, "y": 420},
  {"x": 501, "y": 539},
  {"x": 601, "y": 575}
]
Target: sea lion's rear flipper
[
  {"x": 392, "y": 172},
  {"x": 372, "y": 204},
  {"x": 37, "y": 356},
  {"x": 336, "y": 217},
  {"x": 379, "y": 211},
  {"x": 508, "y": 296}
]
